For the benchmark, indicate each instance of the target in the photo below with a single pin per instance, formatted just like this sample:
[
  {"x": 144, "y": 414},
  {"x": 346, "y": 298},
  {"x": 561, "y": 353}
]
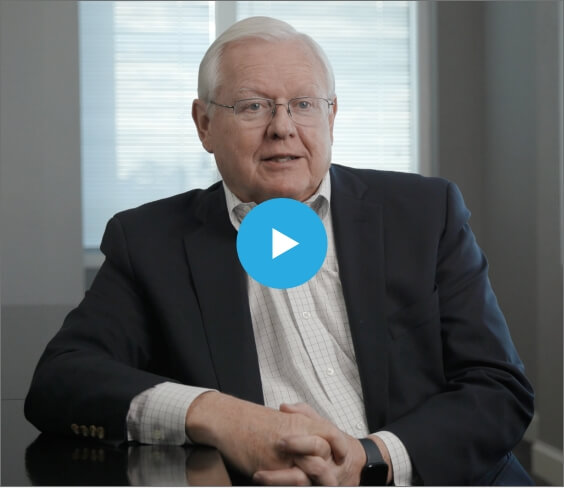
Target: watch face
[{"x": 375, "y": 474}]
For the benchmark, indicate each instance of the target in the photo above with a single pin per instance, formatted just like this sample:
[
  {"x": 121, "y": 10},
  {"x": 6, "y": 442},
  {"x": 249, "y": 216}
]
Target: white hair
[{"x": 266, "y": 28}]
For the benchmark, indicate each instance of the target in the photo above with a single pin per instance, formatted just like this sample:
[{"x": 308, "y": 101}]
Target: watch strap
[
  {"x": 373, "y": 454},
  {"x": 375, "y": 471}
]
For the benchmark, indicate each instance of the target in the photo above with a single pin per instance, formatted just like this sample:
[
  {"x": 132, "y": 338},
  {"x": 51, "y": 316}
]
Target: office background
[{"x": 495, "y": 128}]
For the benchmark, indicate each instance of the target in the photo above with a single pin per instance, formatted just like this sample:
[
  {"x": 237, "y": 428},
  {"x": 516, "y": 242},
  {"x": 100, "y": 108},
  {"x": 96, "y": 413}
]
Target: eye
[
  {"x": 253, "y": 106},
  {"x": 304, "y": 105}
]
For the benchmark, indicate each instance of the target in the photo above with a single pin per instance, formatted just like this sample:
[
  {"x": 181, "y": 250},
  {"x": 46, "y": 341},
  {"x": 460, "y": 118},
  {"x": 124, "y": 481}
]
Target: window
[{"x": 139, "y": 66}]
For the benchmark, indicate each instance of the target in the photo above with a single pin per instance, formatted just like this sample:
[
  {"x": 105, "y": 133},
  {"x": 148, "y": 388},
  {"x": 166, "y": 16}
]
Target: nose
[{"x": 281, "y": 125}]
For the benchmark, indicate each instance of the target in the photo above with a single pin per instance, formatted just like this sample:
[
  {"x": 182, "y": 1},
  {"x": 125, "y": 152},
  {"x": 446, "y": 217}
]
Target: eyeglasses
[{"x": 255, "y": 112}]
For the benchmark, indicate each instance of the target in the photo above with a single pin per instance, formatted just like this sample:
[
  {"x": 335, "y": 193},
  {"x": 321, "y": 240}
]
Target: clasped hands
[
  {"x": 328, "y": 457},
  {"x": 290, "y": 446}
]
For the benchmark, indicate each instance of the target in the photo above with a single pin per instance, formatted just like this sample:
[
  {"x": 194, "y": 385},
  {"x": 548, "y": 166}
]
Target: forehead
[{"x": 269, "y": 67}]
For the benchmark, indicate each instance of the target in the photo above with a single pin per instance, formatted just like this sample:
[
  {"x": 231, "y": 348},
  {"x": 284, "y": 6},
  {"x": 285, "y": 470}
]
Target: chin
[
  {"x": 288, "y": 188},
  {"x": 295, "y": 195}
]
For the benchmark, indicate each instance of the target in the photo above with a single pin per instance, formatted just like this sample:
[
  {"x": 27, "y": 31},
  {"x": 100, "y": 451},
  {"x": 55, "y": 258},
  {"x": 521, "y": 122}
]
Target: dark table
[{"x": 31, "y": 458}]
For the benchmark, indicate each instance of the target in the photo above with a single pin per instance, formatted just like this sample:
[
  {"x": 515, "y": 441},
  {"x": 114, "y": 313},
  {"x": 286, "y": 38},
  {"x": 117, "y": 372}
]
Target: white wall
[
  {"x": 499, "y": 137},
  {"x": 41, "y": 255}
]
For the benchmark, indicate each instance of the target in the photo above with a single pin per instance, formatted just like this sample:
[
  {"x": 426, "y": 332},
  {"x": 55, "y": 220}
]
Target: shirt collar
[{"x": 318, "y": 202}]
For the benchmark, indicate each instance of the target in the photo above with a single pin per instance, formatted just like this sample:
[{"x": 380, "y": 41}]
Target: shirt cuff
[
  {"x": 158, "y": 415},
  {"x": 401, "y": 463}
]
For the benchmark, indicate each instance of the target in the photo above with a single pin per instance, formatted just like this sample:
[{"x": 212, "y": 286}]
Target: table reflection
[{"x": 52, "y": 460}]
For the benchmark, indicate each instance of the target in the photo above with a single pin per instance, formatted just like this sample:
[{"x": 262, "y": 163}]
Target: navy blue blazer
[{"x": 437, "y": 364}]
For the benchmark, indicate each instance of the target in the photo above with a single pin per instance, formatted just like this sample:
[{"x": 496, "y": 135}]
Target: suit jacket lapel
[
  {"x": 221, "y": 287},
  {"x": 359, "y": 241}
]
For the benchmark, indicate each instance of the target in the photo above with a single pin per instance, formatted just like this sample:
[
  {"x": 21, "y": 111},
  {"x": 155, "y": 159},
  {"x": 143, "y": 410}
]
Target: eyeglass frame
[{"x": 330, "y": 103}]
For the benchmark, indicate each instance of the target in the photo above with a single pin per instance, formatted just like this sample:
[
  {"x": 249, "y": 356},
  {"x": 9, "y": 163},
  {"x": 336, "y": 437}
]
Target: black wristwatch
[{"x": 375, "y": 471}]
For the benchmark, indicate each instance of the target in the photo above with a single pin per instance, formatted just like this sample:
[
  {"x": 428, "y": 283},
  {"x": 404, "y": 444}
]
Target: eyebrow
[
  {"x": 250, "y": 92},
  {"x": 254, "y": 93}
]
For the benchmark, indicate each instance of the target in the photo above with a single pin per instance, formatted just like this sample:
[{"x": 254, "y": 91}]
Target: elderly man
[{"x": 393, "y": 363}]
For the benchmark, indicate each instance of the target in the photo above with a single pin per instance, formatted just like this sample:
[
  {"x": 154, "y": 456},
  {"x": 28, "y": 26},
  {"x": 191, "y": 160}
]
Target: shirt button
[
  {"x": 359, "y": 426},
  {"x": 330, "y": 371},
  {"x": 306, "y": 315}
]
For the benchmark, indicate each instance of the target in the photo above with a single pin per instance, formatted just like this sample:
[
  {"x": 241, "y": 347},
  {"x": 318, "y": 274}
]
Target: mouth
[{"x": 280, "y": 158}]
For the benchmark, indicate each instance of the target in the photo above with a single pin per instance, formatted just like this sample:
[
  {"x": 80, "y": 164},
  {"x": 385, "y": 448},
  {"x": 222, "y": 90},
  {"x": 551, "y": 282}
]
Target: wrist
[{"x": 201, "y": 418}]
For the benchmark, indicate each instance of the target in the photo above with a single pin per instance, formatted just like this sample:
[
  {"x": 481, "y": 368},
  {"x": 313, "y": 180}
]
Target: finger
[
  {"x": 333, "y": 435},
  {"x": 319, "y": 471},
  {"x": 339, "y": 444},
  {"x": 305, "y": 445},
  {"x": 293, "y": 476},
  {"x": 302, "y": 408}
]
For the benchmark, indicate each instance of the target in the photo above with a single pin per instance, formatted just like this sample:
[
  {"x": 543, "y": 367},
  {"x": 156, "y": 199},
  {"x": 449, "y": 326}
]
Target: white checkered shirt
[{"x": 305, "y": 354}]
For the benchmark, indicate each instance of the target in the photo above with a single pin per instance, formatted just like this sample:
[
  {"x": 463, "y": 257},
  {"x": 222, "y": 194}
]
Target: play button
[{"x": 281, "y": 243}]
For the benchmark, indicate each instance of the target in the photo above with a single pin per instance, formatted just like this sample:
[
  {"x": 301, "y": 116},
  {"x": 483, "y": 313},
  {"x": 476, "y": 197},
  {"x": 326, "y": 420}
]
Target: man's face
[{"x": 280, "y": 158}]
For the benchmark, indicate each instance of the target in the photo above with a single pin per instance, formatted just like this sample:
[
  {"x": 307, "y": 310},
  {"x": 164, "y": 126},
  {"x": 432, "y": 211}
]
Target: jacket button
[
  {"x": 84, "y": 430},
  {"x": 92, "y": 431},
  {"x": 75, "y": 429},
  {"x": 100, "y": 432}
]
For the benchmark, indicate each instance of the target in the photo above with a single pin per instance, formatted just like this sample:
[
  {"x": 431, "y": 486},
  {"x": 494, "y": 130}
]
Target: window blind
[
  {"x": 368, "y": 46},
  {"x": 139, "y": 65}
]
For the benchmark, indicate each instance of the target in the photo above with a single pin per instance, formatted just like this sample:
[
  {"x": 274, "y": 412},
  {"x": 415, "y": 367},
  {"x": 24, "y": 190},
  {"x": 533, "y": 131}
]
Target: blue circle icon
[{"x": 281, "y": 243}]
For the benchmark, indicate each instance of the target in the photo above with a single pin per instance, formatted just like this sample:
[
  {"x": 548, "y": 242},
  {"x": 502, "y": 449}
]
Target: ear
[
  {"x": 332, "y": 116},
  {"x": 202, "y": 121}
]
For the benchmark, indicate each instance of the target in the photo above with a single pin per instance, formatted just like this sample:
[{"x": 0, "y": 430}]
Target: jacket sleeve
[
  {"x": 481, "y": 413},
  {"x": 100, "y": 359}
]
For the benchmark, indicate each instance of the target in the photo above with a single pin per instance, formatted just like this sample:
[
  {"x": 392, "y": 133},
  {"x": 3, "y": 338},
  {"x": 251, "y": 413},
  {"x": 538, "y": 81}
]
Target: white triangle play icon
[{"x": 281, "y": 243}]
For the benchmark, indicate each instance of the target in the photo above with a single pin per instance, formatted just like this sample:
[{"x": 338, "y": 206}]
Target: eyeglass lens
[{"x": 303, "y": 110}]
